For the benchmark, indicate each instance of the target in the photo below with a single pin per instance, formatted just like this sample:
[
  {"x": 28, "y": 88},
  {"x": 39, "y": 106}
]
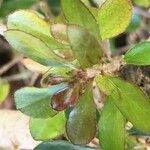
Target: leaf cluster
[{"x": 65, "y": 101}]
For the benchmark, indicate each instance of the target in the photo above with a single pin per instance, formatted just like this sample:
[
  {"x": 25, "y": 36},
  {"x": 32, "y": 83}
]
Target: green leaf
[
  {"x": 130, "y": 100},
  {"x": 85, "y": 46},
  {"x": 61, "y": 145},
  {"x": 35, "y": 101},
  {"x": 143, "y": 3},
  {"x": 9, "y": 6},
  {"x": 45, "y": 129},
  {"x": 113, "y": 17},
  {"x": 81, "y": 124},
  {"x": 77, "y": 13},
  {"x": 33, "y": 23},
  {"x": 111, "y": 127},
  {"x": 32, "y": 47},
  {"x": 139, "y": 54},
  {"x": 4, "y": 90}
]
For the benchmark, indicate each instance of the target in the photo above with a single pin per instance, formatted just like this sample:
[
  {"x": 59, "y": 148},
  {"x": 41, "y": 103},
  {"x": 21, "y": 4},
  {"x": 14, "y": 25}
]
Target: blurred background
[{"x": 14, "y": 74}]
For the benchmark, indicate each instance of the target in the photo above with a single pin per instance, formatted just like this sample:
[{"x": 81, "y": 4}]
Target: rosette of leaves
[{"x": 65, "y": 105}]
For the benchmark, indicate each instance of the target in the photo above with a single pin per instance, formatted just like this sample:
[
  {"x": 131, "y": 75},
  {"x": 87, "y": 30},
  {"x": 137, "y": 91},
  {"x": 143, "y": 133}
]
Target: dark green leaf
[
  {"x": 139, "y": 54},
  {"x": 135, "y": 132},
  {"x": 9, "y": 6},
  {"x": 32, "y": 47},
  {"x": 130, "y": 100},
  {"x": 81, "y": 124},
  {"x": 111, "y": 127},
  {"x": 77, "y": 13},
  {"x": 85, "y": 46},
  {"x": 113, "y": 17},
  {"x": 45, "y": 129},
  {"x": 61, "y": 145},
  {"x": 33, "y": 23},
  {"x": 35, "y": 101},
  {"x": 54, "y": 6}
]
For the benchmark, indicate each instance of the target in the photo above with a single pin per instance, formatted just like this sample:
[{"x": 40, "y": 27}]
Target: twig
[
  {"x": 109, "y": 68},
  {"x": 17, "y": 77},
  {"x": 10, "y": 64}
]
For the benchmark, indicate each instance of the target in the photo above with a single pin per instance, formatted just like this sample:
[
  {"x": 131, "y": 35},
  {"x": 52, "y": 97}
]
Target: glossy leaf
[
  {"x": 77, "y": 13},
  {"x": 61, "y": 145},
  {"x": 45, "y": 129},
  {"x": 58, "y": 101},
  {"x": 35, "y": 101},
  {"x": 130, "y": 100},
  {"x": 65, "y": 98},
  {"x": 113, "y": 17},
  {"x": 4, "y": 90},
  {"x": 85, "y": 46},
  {"x": 33, "y": 23},
  {"x": 81, "y": 124},
  {"x": 139, "y": 54},
  {"x": 111, "y": 127},
  {"x": 32, "y": 47}
]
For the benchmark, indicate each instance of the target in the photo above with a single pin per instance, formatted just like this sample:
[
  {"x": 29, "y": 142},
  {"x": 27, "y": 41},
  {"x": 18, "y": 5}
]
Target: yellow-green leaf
[
  {"x": 129, "y": 99},
  {"x": 32, "y": 47},
  {"x": 111, "y": 127},
  {"x": 33, "y": 23},
  {"x": 139, "y": 54},
  {"x": 113, "y": 17},
  {"x": 77, "y": 13},
  {"x": 45, "y": 129},
  {"x": 143, "y": 3},
  {"x": 4, "y": 90}
]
